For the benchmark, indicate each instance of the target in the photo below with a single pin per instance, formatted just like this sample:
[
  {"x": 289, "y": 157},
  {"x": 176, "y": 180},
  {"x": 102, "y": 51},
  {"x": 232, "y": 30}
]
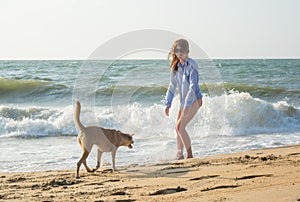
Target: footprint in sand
[{"x": 169, "y": 191}]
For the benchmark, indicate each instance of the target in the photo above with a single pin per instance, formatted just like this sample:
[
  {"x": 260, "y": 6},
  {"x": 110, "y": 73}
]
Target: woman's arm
[
  {"x": 171, "y": 90},
  {"x": 170, "y": 93}
]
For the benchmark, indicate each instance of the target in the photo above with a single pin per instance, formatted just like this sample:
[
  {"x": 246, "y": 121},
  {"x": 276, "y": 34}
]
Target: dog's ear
[{"x": 131, "y": 134}]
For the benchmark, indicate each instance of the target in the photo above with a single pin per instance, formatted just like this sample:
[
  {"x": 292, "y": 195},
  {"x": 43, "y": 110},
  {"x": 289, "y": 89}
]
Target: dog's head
[{"x": 126, "y": 139}]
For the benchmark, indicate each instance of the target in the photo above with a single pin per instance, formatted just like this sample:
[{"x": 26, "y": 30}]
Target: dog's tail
[{"x": 77, "y": 122}]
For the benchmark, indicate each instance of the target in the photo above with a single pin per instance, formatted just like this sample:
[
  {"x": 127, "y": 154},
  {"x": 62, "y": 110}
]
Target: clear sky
[{"x": 73, "y": 29}]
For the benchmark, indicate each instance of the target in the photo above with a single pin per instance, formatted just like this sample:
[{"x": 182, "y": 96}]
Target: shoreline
[{"x": 271, "y": 174}]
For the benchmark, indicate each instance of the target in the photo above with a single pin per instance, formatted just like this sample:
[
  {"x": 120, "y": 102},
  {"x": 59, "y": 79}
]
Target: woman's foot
[
  {"x": 179, "y": 156},
  {"x": 189, "y": 153},
  {"x": 190, "y": 156}
]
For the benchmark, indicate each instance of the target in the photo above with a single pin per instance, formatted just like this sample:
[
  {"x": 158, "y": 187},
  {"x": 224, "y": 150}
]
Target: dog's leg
[
  {"x": 86, "y": 166},
  {"x": 99, "y": 156},
  {"x": 113, "y": 157},
  {"x": 83, "y": 158}
]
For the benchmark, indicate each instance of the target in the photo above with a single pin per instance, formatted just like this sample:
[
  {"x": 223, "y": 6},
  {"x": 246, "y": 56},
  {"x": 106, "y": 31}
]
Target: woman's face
[{"x": 180, "y": 52}]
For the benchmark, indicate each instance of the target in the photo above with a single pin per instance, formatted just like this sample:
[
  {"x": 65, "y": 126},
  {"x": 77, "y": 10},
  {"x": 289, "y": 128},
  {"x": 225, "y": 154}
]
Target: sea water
[{"x": 250, "y": 104}]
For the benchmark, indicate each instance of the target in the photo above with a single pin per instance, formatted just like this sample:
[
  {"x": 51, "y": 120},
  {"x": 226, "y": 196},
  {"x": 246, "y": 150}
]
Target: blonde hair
[{"x": 174, "y": 59}]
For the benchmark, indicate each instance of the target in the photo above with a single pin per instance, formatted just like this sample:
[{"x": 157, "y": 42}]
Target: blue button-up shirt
[{"x": 186, "y": 79}]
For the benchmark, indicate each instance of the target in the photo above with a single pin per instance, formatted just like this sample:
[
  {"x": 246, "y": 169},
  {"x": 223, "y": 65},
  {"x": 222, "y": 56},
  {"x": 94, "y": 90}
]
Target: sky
[{"x": 73, "y": 29}]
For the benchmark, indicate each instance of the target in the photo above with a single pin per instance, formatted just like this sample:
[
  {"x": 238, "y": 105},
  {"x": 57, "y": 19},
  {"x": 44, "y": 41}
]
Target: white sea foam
[{"x": 234, "y": 114}]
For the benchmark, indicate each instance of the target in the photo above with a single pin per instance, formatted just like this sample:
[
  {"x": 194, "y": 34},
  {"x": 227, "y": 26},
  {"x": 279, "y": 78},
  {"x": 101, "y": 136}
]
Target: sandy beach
[{"x": 257, "y": 175}]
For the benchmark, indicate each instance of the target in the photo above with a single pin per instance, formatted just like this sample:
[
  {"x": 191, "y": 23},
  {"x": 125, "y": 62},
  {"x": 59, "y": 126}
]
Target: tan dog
[{"x": 107, "y": 140}]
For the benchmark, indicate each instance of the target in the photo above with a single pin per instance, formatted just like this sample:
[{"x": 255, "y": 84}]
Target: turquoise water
[
  {"x": 52, "y": 82},
  {"x": 249, "y": 104}
]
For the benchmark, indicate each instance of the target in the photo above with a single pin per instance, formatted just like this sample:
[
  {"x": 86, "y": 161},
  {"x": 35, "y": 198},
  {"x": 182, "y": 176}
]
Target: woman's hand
[{"x": 167, "y": 111}]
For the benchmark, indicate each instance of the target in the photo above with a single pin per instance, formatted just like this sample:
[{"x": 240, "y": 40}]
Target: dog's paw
[{"x": 95, "y": 169}]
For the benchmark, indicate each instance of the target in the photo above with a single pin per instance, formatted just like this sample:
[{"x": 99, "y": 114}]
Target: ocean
[{"x": 247, "y": 104}]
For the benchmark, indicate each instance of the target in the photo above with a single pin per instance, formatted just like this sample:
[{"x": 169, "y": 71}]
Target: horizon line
[{"x": 213, "y": 58}]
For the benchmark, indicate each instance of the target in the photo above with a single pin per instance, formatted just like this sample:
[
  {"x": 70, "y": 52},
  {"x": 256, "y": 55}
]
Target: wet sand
[{"x": 259, "y": 175}]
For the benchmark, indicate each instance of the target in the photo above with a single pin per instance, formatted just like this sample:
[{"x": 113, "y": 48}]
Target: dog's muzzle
[{"x": 130, "y": 146}]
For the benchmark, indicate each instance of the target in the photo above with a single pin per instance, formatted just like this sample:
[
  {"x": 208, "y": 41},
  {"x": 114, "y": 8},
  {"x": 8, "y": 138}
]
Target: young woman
[{"x": 184, "y": 75}]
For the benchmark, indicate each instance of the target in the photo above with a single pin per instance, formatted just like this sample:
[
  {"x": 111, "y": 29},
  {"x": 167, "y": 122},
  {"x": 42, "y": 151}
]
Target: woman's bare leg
[
  {"x": 180, "y": 144},
  {"x": 186, "y": 116}
]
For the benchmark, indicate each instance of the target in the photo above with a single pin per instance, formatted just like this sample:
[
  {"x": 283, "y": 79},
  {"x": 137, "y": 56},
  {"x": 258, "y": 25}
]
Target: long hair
[{"x": 174, "y": 59}]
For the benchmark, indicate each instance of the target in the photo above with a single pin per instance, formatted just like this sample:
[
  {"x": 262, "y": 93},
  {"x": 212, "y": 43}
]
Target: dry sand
[{"x": 258, "y": 175}]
